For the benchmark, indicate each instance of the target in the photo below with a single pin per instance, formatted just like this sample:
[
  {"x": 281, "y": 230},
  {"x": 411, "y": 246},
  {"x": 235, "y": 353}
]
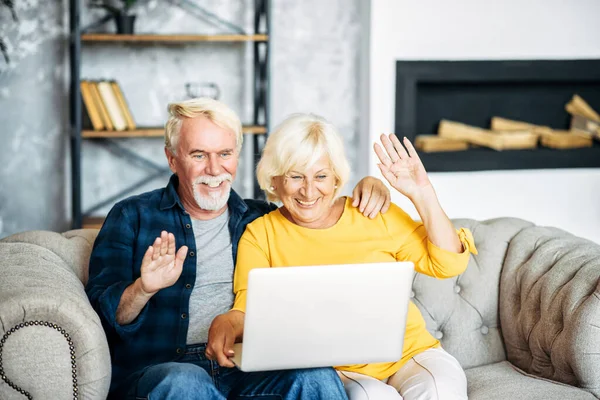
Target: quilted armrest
[
  {"x": 550, "y": 306},
  {"x": 53, "y": 343}
]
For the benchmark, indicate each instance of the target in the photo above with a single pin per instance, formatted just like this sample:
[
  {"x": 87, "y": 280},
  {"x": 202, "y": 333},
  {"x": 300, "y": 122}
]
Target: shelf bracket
[
  {"x": 118, "y": 196},
  {"x": 122, "y": 151}
]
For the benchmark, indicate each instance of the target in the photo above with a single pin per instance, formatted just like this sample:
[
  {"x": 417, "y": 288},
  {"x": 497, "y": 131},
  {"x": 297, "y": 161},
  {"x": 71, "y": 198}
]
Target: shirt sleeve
[
  {"x": 428, "y": 258},
  {"x": 252, "y": 253},
  {"x": 111, "y": 272}
]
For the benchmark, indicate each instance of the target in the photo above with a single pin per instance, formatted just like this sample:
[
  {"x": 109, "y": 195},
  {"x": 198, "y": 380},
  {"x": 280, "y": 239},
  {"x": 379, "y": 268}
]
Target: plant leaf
[{"x": 128, "y": 3}]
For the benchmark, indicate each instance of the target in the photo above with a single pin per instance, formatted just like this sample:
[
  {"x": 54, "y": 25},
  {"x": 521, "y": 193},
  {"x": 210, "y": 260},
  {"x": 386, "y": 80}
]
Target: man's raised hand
[{"x": 161, "y": 265}]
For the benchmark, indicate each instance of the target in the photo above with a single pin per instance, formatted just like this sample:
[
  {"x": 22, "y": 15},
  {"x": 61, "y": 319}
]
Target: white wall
[{"x": 487, "y": 30}]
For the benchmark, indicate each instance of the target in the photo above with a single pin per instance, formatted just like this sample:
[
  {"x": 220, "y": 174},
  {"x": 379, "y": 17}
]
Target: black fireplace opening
[{"x": 472, "y": 92}]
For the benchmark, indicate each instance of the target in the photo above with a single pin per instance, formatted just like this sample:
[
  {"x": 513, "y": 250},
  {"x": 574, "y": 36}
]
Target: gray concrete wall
[
  {"x": 314, "y": 67},
  {"x": 33, "y": 118}
]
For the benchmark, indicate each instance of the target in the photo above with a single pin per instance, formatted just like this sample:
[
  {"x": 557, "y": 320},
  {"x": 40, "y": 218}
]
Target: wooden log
[
  {"x": 435, "y": 143},
  {"x": 566, "y": 140},
  {"x": 578, "y": 106},
  {"x": 504, "y": 124},
  {"x": 585, "y": 126},
  {"x": 509, "y": 125},
  {"x": 498, "y": 140}
]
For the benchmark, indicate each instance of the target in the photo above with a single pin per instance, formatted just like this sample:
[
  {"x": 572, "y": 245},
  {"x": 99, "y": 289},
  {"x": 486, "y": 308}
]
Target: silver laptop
[{"x": 317, "y": 316}]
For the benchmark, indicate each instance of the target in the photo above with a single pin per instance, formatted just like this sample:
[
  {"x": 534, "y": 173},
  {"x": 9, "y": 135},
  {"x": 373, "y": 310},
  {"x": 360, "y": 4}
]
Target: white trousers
[{"x": 431, "y": 375}]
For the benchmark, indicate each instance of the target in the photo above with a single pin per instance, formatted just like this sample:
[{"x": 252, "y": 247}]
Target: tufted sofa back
[{"x": 462, "y": 312}]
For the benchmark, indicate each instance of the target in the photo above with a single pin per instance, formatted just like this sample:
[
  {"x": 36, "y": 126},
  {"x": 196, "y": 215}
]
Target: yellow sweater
[{"x": 273, "y": 241}]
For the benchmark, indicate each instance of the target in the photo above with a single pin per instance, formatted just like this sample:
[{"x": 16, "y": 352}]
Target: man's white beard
[{"x": 214, "y": 201}]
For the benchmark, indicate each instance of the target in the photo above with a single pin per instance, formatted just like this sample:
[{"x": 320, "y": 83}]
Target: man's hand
[
  {"x": 161, "y": 266},
  {"x": 371, "y": 196},
  {"x": 223, "y": 332}
]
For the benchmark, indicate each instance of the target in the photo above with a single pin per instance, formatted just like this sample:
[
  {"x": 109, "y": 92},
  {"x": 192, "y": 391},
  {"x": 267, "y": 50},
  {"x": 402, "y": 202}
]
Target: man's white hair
[{"x": 214, "y": 110}]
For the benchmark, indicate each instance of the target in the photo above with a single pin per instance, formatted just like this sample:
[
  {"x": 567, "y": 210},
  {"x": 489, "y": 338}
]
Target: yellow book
[
  {"x": 90, "y": 106},
  {"x": 101, "y": 106}
]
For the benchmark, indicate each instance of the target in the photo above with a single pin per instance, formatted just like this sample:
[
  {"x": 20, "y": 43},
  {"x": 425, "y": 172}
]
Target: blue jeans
[{"x": 193, "y": 376}]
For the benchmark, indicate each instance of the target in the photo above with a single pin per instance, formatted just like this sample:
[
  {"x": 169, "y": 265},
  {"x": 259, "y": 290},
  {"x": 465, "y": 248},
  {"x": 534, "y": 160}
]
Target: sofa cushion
[
  {"x": 549, "y": 302},
  {"x": 463, "y": 311},
  {"x": 502, "y": 381}
]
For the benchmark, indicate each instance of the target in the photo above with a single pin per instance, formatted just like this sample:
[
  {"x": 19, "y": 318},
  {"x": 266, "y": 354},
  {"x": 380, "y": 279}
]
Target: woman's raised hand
[{"x": 403, "y": 169}]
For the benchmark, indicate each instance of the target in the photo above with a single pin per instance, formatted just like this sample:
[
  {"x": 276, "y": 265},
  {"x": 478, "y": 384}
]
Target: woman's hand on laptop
[{"x": 223, "y": 333}]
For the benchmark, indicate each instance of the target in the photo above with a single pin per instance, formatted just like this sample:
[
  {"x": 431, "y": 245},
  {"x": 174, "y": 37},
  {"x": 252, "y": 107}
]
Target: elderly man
[{"x": 156, "y": 301}]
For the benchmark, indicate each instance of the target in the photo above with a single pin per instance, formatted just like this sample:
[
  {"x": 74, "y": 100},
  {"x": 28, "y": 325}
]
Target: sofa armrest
[
  {"x": 550, "y": 306},
  {"x": 53, "y": 343}
]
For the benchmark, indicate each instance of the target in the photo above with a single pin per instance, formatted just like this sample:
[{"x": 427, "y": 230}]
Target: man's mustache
[{"x": 213, "y": 180}]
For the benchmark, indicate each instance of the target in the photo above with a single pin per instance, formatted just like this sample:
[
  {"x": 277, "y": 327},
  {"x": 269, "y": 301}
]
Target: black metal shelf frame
[
  {"x": 261, "y": 91},
  {"x": 261, "y": 82}
]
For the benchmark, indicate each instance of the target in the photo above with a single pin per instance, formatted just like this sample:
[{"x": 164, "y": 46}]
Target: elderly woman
[{"x": 304, "y": 167}]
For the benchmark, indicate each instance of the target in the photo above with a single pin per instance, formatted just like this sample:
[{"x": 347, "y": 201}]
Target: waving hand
[
  {"x": 162, "y": 265},
  {"x": 403, "y": 169}
]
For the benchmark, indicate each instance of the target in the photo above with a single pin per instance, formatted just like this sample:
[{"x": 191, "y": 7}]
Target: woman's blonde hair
[
  {"x": 298, "y": 143},
  {"x": 214, "y": 110}
]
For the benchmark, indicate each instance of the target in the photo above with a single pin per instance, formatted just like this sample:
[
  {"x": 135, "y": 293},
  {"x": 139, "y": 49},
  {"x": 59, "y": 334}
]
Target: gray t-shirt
[{"x": 213, "y": 291}]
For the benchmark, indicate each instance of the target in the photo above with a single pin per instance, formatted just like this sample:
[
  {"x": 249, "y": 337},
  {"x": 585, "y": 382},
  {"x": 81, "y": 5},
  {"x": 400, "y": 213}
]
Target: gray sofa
[{"x": 523, "y": 320}]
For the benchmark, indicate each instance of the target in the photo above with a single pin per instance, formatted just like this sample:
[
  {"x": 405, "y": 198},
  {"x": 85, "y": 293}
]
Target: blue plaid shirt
[{"x": 159, "y": 333}]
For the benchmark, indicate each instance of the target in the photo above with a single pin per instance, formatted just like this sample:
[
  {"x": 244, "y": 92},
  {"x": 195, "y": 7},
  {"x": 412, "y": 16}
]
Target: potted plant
[
  {"x": 11, "y": 6},
  {"x": 120, "y": 10}
]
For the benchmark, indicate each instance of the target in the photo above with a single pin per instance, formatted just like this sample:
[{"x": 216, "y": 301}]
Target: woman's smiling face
[{"x": 308, "y": 195}]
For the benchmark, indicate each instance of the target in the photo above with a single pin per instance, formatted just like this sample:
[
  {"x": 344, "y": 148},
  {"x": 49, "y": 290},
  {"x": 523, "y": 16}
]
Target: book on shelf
[
  {"x": 101, "y": 106},
  {"x": 105, "y": 107},
  {"x": 112, "y": 105},
  {"x": 123, "y": 105},
  {"x": 91, "y": 115}
]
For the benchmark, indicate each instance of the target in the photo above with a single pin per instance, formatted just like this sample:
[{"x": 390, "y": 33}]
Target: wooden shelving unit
[
  {"x": 259, "y": 39},
  {"x": 174, "y": 38},
  {"x": 154, "y": 132}
]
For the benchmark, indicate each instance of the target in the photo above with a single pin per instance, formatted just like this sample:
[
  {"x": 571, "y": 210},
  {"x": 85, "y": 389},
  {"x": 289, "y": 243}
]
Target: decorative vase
[
  {"x": 124, "y": 24},
  {"x": 202, "y": 89}
]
